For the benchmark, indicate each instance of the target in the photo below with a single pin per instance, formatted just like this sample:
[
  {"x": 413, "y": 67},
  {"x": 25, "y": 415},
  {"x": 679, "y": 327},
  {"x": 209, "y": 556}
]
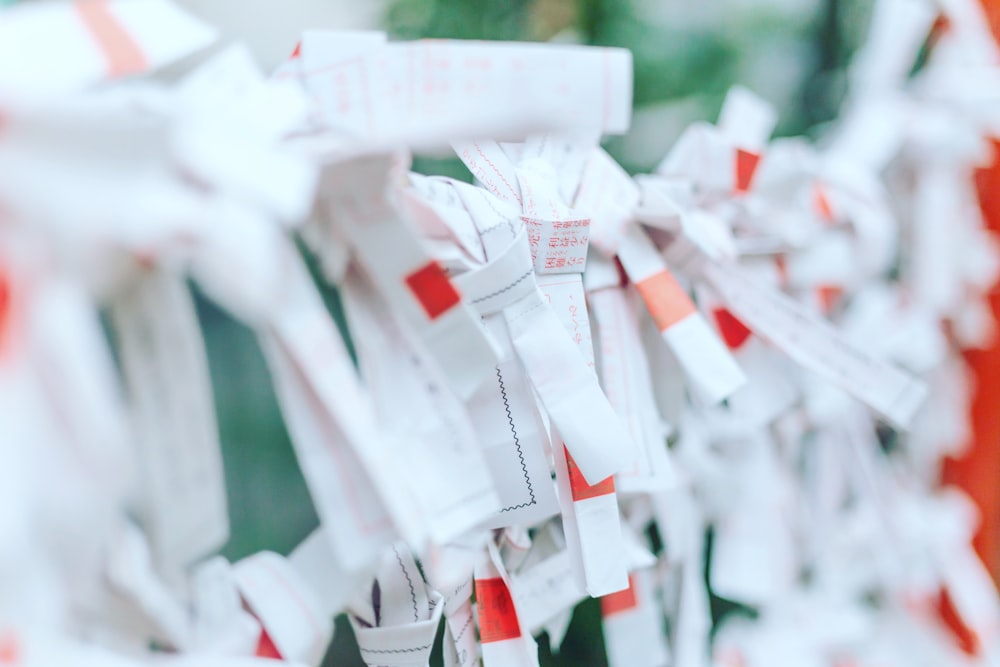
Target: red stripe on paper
[
  {"x": 746, "y": 165},
  {"x": 616, "y": 603},
  {"x": 432, "y": 287},
  {"x": 828, "y": 296},
  {"x": 578, "y": 483},
  {"x": 266, "y": 647},
  {"x": 497, "y": 616},
  {"x": 734, "y": 332},
  {"x": 965, "y": 636}
]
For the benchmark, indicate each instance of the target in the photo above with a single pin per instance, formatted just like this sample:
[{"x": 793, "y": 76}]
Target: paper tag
[
  {"x": 151, "y": 607},
  {"x": 350, "y": 471},
  {"x": 412, "y": 283},
  {"x": 221, "y": 625},
  {"x": 99, "y": 40},
  {"x": 633, "y": 624},
  {"x": 286, "y": 607},
  {"x": 590, "y": 510},
  {"x": 314, "y": 561},
  {"x": 707, "y": 363},
  {"x": 504, "y": 641},
  {"x": 426, "y": 424},
  {"x": 54, "y": 328},
  {"x": 514, "y": 440},
  {"x": 546, "y": 589},
  {"x": 163, "y": 359},
  {"x": 817, "y": 346},
  {"x": 460, "y": 648},
  {"x": 398, "y": 623},
  {"x": 558, "y": 246},
  {"x": 625, "y": 378},
  {"x": 807, "y": 340},
  {"x": 433, "y": 91}
]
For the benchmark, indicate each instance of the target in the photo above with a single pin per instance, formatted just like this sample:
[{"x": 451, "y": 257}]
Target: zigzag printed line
[
  {"x": 395, "y": 650},
  {"x": 413, "y": 594},
  {"x": 508, "y": 287},
  {"x": 498, "y": 173},
  {"x": 517, "y": 443},
  {"x": 461, "y": 633},
  {"x": 517, "y": 507}
]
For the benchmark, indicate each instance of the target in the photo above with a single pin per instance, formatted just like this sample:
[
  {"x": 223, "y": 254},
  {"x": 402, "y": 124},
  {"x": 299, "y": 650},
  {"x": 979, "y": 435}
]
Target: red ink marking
[
  {"x": 734, "y": 332},
  {"x": 966, "y": 637},
  {"x": 123, "y": 54},
  {"x": 433, "y": 289},
  {"x": 578, "y": 484},
  {"x": 616, "y": 603},
  {"x": 746, "y": 165},
  {"x": 297, "y": 53},
  {"x": 498, "y": 173},
  {"x": 266, "y": 647},
  {"x": 497, "y": 616},
  {"x": 828, "y": 296}
]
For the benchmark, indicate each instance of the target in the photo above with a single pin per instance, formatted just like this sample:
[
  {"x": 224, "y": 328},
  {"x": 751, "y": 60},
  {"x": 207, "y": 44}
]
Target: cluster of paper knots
[{"x": 566, "y": 381}]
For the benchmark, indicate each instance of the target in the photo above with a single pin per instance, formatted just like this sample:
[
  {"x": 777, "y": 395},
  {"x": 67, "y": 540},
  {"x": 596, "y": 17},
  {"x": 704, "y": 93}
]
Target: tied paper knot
[
  {"x": 568, "y": 389},
  {"x": 503, "y": 281},
  {"x": 403, "y": 645}
]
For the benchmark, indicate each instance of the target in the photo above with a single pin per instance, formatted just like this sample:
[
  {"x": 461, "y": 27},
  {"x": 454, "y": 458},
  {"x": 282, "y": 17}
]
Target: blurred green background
[{"x": 687, "y": 54}]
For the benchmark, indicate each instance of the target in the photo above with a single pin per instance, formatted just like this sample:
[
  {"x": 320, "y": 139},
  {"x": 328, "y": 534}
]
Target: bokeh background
[{"x": 687, "y": 54}]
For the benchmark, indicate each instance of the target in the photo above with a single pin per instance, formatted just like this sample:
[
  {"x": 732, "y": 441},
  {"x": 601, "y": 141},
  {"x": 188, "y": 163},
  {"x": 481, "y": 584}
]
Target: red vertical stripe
[{"x": 746, "y": 165}]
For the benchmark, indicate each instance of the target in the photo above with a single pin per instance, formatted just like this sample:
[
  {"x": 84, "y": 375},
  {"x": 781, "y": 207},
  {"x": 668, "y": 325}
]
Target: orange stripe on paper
[
  {"x": 616, "y": 603},
  {"x": 578, "y": 483},
  {"x": 121, "y": 51},
  {"x": 497, "y": 616},
  {"x": 828, "y": 296},
  {"x": 822, "y": 204},
  {"x": 665, "y": 299}
]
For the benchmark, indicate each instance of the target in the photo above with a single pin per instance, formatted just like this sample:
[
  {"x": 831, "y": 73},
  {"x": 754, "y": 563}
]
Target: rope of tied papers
[{"x": 564, "y": 375}]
